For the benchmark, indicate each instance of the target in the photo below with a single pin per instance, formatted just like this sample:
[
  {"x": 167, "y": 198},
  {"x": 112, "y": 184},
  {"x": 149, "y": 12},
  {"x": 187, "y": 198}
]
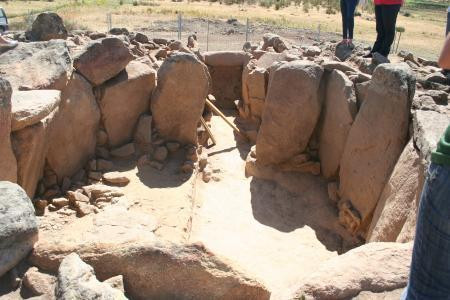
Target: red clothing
[{"x": 388, "y": 2}]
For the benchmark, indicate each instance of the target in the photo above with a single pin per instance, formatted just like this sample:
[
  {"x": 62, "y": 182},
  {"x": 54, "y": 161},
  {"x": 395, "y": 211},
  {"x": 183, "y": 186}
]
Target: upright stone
[
  {"x": 124, "y": 99},
  {"x": 102, "y": 59},
  {"x": 18, "y": 225},
  {"x": 376, "y": 140},
  {"x": 291, "y": 111},
  {"x": 179, "y": 98},
  {"x": 338, "y": 115},
  {"x": 73, "y": 139},
  {"x": 400, "y": 198},
  {"x": 8, "y": 163}
]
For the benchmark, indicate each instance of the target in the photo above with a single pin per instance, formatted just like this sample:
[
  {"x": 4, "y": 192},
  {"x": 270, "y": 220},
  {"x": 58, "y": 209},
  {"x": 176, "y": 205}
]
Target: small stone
[
  {"x": 156, "y": 165},
  {"x": 333, "y": 192},
  {"x": 75, "y": 197},
  {"x": 95, "y": 175},
  {"x": 253, "y": 151},
  {"x": 160, "y": 153},
  {"x": 40, "y": 204},
  {"x": 187, "y": 167},
  {"x": 191, "y": 153},
  {"x": 102, "y": 138},
  {"x": 115, "y": 178},
  {"x": 173, "y": 146},
  {"x": 66, "y": 184},
  {"x": 38, "y": 283},
  {"x": 52, "y": 207},
  {"x": 203, "y": 161},
  {"x": 206, "y": 174},
  {"x": 124, "y": 151},
  {"x": 84, "y": 209},
  {"x": 104, "y": 165},
  {"x": 102, "y": 152},
  {"x": 92, "y": 165},
  {"x": 60, "y": 202}
]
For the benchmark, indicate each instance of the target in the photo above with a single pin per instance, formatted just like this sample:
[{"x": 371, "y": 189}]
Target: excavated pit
[{"x": 123, "y": 184}]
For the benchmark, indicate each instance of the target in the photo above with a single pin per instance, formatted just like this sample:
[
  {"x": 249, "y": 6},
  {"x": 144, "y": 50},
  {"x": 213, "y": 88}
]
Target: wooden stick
[
  {"x": 208, "y": 130},
  {"x": 220, "y": 114}
]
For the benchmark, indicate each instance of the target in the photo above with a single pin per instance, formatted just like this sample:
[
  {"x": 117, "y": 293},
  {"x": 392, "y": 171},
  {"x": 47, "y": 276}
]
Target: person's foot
[
  {"x": 368, "y": 55},
  {"x": 350, "y": 44}
]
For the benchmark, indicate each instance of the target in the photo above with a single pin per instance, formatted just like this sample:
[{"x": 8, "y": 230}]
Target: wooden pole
[
  {"x": 208, "y": 130},
  {"x": 220, "y": 114}
]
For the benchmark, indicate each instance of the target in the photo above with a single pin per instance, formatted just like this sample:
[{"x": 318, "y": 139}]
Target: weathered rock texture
[
  {"x": 124, "y": 99},
  {"x": 102, "y": 60},
  {"x": 18, "y": 225},
  {"x": 73, "y": 138},
  {"x": 8, "y": 163},
  {"x": 338, "y": 115},
  {"x": 31, "y": 143},
  {"x": 47, "y": 26},
  {"x": 374, "y": 267},
  {"x": 179, "y": 98},
  {"x": 376, "y": 140},
  {"x": 40, "y": 65},
  {"x": 29, "y": 107},
  {"x": 254, "y": 89},
  {"x": 291, "y": 111},
  {"x": 117, "y": 241},
  {"x": 76, "y": 280},
  {"x": 395, "y": 216}
]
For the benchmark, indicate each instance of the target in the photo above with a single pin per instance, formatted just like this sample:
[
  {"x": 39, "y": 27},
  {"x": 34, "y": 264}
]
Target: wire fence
[{"x": 213, "y": 34}]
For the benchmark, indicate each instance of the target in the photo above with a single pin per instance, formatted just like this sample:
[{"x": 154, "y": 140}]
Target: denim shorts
[{"x": 430, "y": 266}]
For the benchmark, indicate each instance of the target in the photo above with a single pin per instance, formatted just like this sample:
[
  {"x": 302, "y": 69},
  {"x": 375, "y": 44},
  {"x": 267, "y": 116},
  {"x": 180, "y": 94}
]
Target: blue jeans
[
  {"x": 348, "y": 17},
  {"x": 430, "y": 267}
]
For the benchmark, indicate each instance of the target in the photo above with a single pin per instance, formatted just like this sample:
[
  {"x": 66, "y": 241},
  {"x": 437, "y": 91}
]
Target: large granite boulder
[
  {"x": 339, "y": 112},
  {"x": 8, "y": 163},
  {"x": 40, "y": 65},
  {"x": 374, "y": 144},
  {"x": 124, "y": 99},
  {"x": 374, "y": 267},
  {"x": 395, "y": 216},
  {"x": 102, "y": 59},
  {"x": 76, "y": 280},
  {"x": 179, "y": 98},
  {"x": 31, "y": 143},
  {"x": 47, "y": 26},
  {"x": 291, "y": 111},
  {"x": 73, "y": 139},
  {"x": 18, "y": 225}
]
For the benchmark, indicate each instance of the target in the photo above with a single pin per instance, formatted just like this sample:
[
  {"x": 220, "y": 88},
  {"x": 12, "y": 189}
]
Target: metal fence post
[
  {"x": 246, "y": 30},
  {"x": 179, "y": 26},
  {"x": 109, "y": 21},
  {"x": 207, "y": 35}
]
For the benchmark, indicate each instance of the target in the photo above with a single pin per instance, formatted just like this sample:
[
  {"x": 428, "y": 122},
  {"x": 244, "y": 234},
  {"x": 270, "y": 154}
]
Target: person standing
[
  {"x": 386, "y": 12},
  {"x": 348, "y": 20},
  {"x": 429, "y": 277}
]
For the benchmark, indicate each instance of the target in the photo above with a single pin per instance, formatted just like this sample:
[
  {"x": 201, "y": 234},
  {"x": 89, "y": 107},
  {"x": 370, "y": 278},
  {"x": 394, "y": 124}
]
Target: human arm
[{"x": 444, "y": 59}]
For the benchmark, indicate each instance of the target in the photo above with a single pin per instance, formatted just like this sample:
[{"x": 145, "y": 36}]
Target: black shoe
[{"x": 368, "y": 55}]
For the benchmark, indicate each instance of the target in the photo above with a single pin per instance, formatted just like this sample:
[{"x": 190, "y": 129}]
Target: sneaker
[
  {"x": 7, "y": 44},
  {"x": 368, "y": 55}
]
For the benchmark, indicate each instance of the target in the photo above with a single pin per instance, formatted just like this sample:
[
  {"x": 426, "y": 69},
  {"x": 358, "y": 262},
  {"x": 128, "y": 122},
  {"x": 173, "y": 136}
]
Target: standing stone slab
[
  {"x": 376, "y": 140},
  {"x": 338, "y": 115},
  {"x": 36, "y": 66},
  {"x": 73, "y": 139},
  {"x": 47, "y": 26},
  {"x": 124, "y": 99},
  {"x": 18, "y": 225},
  {"x": 291, "y": 111},
  {"x": 400, "y": 198},
  {"x": 102, "y": 59},
  {"x": 179, "y": 98},
  {"x": 8, "y": 163}
]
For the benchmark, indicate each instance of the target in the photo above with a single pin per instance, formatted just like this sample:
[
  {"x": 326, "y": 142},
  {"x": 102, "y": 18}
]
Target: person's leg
[
  {"x": 389, "y": 19},
  {"x": 351, "y": 6},
  {"x": 430, "y": 266},
  {"x": 344, "y": 19},
  {"x": 380, "y": 30}
]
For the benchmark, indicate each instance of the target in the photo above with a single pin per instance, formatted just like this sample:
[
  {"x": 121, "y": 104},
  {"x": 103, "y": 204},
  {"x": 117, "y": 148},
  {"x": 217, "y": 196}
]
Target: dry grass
[{"x": 424, "y": 28}]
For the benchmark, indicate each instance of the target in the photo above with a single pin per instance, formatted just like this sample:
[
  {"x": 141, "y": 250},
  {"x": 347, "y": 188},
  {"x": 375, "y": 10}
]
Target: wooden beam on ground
[
  {"x": 220, "y": 114},
  {"x": 208, "y": 130}
]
